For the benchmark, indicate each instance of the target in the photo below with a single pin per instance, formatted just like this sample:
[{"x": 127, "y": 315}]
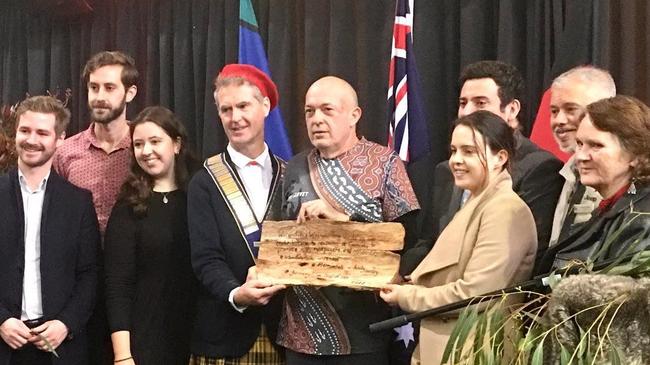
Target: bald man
[{"x": 343, "y": 178}]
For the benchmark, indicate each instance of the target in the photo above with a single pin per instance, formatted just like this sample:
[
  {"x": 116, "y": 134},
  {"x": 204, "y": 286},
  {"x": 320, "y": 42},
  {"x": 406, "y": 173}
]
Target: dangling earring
[{"x": 632, "y": 188}]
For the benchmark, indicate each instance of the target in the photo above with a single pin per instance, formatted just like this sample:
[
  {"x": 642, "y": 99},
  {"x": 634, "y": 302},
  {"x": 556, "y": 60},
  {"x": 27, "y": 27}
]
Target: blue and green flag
[{"x": 251, "y": 51}]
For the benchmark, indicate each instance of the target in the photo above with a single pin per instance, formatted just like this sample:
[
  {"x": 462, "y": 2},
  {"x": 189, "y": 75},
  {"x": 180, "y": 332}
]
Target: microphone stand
[{"x": 538, "y": 281}]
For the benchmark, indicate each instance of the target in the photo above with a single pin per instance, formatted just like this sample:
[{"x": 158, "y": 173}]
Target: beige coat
[{"x": 489, "y": 244}]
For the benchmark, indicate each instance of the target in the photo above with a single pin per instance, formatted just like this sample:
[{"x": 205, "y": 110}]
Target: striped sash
[{"x": 235, "y": 197}]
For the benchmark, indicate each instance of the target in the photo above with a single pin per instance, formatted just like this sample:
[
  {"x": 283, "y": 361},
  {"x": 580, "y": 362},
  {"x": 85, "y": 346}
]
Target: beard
[
  {"x": 28, "y": 147},
  {"x": 113, "y": 113}
]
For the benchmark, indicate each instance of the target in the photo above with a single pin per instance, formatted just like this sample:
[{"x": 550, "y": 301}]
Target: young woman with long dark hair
[{"x": 150, "y": 286}]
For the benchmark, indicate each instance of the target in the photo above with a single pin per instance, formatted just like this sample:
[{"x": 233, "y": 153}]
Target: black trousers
[{"x": 30, "y": 355}]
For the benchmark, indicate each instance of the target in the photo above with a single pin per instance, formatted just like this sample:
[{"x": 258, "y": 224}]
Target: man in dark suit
[
  {"x": 49, "y": 239},
  {"x": 497, "y": 87},
  {"x": 237, "y": 315}
]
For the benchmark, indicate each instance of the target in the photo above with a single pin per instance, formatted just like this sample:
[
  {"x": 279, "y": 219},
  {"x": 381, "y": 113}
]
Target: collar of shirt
[
  {"x": 607, "y": 204},
  {"x": 91, "y": 139},
  {"x": 569, "y": 171},
  {"x": 240, "y": 160},
  {"x": 23, "y": 182}
]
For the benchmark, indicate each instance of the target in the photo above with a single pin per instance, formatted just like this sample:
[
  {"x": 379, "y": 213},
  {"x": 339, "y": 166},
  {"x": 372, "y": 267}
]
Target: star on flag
[{"x": 405, "y": 334}]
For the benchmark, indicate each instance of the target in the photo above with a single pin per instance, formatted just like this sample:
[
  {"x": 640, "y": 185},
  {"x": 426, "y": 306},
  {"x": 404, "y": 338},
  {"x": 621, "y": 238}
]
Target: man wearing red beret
[{"x": 237, "y": 315}]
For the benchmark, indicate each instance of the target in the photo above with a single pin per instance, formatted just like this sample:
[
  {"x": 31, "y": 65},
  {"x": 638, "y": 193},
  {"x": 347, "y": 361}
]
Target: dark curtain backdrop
[
  {"x": 179, "y": 46},
  {"x": 627, "y": 48}
]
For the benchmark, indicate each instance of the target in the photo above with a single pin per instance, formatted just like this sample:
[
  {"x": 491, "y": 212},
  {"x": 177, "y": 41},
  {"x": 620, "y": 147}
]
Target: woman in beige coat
[{"x": 489, "y": 244}]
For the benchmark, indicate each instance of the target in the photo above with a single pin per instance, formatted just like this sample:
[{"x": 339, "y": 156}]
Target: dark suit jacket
[
  {"x": 69, "y": 246},
  {"x": 221, "y": 258},
  {"x": 535, "y": 178}
]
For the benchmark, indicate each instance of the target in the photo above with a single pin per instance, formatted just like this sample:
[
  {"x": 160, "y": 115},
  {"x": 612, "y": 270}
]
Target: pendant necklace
[{"x": 165, "y": 200}]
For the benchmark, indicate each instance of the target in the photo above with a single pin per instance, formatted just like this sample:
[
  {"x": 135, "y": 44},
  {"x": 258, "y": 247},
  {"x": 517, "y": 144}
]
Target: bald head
[
  {"x": 571, "y": 92},
  {"x": 331, "y": 113},
  {"x": 335, "y": 87}
]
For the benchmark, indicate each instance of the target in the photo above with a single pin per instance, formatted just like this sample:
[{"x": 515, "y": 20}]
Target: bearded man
[{"x": 98, "y": 160}]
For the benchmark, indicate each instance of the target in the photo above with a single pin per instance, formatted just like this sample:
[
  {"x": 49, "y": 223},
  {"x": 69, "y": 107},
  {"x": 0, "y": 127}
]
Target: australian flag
[
  {"x": 408, "y": 132},
  {"x": 251, "y": 51}
]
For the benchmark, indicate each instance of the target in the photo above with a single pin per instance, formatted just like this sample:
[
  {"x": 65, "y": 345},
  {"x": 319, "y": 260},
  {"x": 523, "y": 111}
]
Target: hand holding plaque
[{"x": 255, "y": 291}]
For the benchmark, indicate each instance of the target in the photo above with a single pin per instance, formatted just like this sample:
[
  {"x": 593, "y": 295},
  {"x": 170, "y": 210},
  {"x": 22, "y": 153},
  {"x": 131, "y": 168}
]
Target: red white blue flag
[{"x": 408, "y": 132}]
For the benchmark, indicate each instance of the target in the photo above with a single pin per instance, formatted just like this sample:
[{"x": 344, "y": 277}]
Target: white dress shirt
[
  {"x": 256, "y": 175},
  {"x": 32, "y": 301}
]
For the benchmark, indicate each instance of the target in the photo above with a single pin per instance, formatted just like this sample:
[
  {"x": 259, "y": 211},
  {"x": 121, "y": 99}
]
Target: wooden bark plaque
[{"x": 322, "y": 252}]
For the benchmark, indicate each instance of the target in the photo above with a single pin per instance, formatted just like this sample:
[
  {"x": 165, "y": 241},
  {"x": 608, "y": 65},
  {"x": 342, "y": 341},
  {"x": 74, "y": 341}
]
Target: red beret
[{"x": 256, "y": 77}]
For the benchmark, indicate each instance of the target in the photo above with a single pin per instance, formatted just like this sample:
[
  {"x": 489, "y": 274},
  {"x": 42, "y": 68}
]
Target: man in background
[
  {"x": 496, "y": 87},
  {"x": 571, "y": 92},
  {"x": 97, "y": 159}
]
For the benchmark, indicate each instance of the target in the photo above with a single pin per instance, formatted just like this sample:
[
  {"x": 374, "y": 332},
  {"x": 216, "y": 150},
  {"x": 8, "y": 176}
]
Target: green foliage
[
  {"x": 499, "y": 330},
  {"x": 532, "y": 342}
]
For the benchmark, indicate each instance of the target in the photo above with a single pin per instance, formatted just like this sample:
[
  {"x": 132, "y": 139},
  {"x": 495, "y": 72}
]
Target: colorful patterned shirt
[
  {"x": 368, "y": 182},
  {"x": 82, "y": 162}
]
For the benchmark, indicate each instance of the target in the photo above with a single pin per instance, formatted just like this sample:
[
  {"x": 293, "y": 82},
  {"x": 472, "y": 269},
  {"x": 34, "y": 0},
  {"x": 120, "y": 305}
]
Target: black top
[
  {"x": 620, "y": 231},
  {"x": 150, "y": 286}
]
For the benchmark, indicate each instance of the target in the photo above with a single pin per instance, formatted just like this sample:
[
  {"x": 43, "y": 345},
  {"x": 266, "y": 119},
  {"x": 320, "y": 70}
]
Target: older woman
[
  {"x": 489, "y": 244},
  {"x": 613, "y": 157}
]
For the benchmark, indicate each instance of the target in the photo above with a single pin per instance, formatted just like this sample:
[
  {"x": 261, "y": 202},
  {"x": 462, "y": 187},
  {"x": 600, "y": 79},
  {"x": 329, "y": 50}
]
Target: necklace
[{"x": 165, "y": 199}]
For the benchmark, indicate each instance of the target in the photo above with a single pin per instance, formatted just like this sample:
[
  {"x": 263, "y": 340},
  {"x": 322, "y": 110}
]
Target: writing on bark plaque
[{"x": 322, "y": 252}]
